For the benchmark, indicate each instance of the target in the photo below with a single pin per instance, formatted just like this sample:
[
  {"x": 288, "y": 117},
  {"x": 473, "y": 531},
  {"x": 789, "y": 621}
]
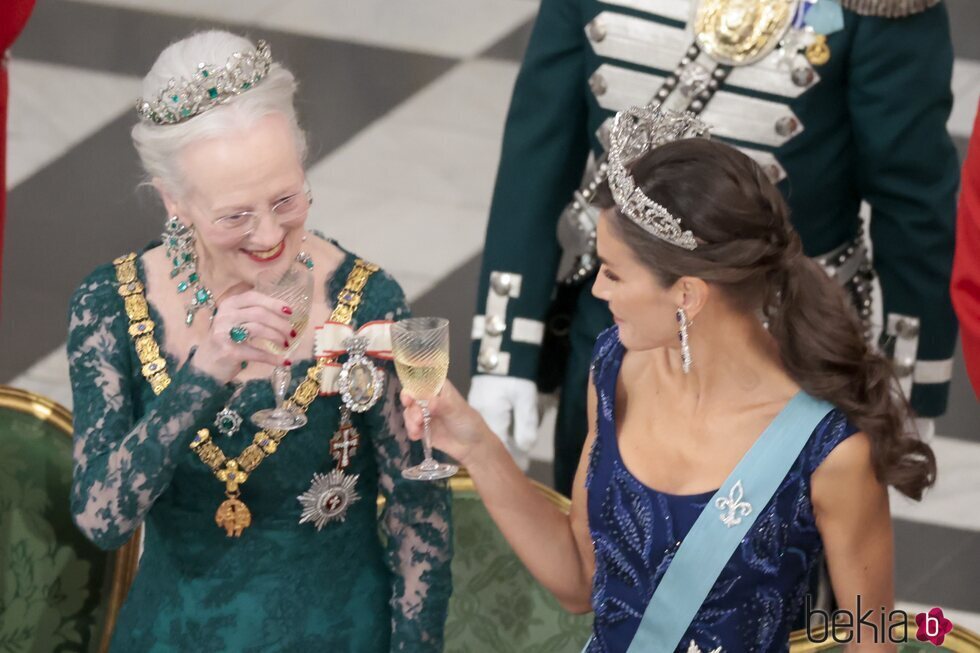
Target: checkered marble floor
[{"x": 413, "y": 91}]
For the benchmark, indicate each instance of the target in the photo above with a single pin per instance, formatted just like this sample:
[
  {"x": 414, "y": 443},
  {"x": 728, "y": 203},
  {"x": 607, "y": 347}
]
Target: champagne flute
[
  {"x": 420, "y": 346},
  {"x": 294, "y": 287}
]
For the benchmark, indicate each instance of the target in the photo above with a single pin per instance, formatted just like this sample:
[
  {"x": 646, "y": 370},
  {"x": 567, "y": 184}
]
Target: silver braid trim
[{"x": 888, "y": 8}]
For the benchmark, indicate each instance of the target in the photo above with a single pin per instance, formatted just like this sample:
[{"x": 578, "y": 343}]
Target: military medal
[
  {"x": 330, "y": 494},
  {"x": 818, "y": 52},
  {"x": 360, "y": 384},
  {"x": 806, "y": 42},
  {"x": 328, "y": 498}
]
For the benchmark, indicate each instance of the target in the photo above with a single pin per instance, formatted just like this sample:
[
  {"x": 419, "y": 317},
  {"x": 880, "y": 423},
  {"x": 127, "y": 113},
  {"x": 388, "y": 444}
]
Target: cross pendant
[{"x": 344, "y": 444}]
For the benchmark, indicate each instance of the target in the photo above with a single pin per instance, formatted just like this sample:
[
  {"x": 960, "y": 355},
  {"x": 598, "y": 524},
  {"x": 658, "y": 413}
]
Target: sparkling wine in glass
[
  {"x": 421, "y": 349},
  {"x": 294, "y": 288}
]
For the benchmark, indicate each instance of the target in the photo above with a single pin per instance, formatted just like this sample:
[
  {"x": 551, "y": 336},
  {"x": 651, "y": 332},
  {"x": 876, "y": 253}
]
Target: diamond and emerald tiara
[
  {"x": 209, "y": 86},
  {"x": 635, "y": 131}
]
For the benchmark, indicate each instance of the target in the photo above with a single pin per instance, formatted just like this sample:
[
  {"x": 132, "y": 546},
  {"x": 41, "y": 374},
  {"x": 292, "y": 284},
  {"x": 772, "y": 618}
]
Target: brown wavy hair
[{"x": 749, "y": 249}]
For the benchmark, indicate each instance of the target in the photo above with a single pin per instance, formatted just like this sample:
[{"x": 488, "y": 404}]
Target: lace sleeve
[
  {"x": 416, "y": 521},
  {"x": 122, "y": 461}
]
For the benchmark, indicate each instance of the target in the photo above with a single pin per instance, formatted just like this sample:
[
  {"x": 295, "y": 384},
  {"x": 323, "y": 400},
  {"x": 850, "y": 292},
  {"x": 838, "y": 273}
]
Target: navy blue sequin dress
[{"x": 636, "y": 531}]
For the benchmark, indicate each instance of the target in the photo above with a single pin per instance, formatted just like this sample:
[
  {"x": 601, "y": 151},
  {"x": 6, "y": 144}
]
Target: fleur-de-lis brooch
[
  {"x": 733, "y": 508},
  {"x": 693, "y": 648}
]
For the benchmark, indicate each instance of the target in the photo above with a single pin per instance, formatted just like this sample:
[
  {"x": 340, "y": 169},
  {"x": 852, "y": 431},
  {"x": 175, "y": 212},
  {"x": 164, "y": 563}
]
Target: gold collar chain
[{"x": 232, "y": 515}]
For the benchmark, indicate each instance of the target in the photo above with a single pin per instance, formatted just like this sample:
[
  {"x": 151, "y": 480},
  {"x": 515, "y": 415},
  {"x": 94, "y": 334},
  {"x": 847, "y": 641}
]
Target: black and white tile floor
[{"x": 404, "y": 102}]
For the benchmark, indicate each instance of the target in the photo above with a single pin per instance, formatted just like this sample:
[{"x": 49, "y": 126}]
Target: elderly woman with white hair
[{"x": 171, "y": 350}]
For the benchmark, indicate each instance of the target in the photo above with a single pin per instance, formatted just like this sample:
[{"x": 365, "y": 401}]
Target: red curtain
[
  {"x": 965, "y": 287},
  {"x": 13, "y": 17}
]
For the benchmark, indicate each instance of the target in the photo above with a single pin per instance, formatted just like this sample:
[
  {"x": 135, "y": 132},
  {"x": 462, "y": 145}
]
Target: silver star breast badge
[{"x": 328, "y": 498}]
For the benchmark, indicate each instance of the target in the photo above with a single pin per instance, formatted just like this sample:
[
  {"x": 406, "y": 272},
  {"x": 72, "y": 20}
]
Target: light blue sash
[{"x": 725, "y": 520}]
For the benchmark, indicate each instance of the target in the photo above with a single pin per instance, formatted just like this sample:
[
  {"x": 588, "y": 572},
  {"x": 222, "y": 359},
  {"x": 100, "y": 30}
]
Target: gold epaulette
[{"x": 888, "y": 8}]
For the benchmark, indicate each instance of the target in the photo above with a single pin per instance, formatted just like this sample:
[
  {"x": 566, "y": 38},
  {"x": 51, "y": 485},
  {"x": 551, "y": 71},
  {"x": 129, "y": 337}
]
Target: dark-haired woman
[{"x": 740, "y": 425}]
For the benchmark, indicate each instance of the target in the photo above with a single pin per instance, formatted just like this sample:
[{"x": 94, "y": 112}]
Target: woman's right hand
[
  {"x": 456, "y": 427},
  {"x": 265, "y": 318}
]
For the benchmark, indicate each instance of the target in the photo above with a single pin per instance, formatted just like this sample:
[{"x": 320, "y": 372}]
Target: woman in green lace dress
[{"x": 165, "y": 356}]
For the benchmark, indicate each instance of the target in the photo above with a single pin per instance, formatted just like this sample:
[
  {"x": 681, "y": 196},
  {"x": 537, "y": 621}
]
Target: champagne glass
[
  {"x": 421, "y": 349},
  {"x": 294, "y": 287}
]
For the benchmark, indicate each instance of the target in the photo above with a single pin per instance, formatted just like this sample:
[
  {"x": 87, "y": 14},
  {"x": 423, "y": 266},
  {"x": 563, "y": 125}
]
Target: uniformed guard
[{"x": 839, "y": 101}]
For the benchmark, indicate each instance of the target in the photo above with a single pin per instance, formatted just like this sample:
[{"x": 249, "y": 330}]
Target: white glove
[
  {"x": 507, "y": 400},
  {"x": 926, "y": 428}
]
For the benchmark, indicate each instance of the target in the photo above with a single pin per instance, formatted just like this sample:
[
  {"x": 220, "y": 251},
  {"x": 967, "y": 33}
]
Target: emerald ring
[{"x": 238, "y": 334}]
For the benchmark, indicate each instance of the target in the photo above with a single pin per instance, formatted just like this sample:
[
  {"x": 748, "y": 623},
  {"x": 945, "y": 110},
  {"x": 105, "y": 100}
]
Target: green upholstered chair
[
  {"x": 57, "y": 590},
  {"x": 497, "y": 606}
]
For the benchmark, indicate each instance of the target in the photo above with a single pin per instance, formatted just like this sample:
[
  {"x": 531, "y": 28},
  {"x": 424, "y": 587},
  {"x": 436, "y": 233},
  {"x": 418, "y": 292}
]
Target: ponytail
[{"x": 822, "y": 345}]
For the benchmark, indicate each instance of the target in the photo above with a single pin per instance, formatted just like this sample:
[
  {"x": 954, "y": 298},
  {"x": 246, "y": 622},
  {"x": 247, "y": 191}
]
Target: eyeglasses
[{"x": 286, "y": 211}]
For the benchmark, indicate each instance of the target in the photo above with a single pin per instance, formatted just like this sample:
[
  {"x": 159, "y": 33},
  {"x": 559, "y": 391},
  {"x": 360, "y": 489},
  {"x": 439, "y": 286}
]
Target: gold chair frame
[{"x": 124, "y": 561}]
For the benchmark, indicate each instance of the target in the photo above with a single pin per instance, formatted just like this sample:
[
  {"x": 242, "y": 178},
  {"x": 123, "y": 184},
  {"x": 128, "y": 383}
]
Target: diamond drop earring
[{"x": 682, "y": 336}]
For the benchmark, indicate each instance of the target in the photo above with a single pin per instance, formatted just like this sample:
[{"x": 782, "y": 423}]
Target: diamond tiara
[
  {"x": 208, "y": 87},
  {"x": 636, "y": 131}
]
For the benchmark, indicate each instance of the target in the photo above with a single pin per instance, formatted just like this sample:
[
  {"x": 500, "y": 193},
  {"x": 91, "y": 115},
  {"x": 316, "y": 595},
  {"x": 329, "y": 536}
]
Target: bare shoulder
[
  {"x": 845, "y": 474},
  {"x": 850, "y": 457}
]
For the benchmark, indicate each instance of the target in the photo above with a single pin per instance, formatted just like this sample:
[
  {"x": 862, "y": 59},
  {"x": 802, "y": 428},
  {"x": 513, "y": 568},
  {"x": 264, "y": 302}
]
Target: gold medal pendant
[
  {"x": 818, "y": 52},
  {"x": 233, "y": 516},
  {"x": 741, "y": 32}
]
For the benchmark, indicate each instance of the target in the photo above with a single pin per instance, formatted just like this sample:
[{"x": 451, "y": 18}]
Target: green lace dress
[{"x": 282, "y": 586}]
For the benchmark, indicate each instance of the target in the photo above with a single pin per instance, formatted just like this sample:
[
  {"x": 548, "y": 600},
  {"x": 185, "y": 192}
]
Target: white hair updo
[{"x": 158, "y": 146}]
